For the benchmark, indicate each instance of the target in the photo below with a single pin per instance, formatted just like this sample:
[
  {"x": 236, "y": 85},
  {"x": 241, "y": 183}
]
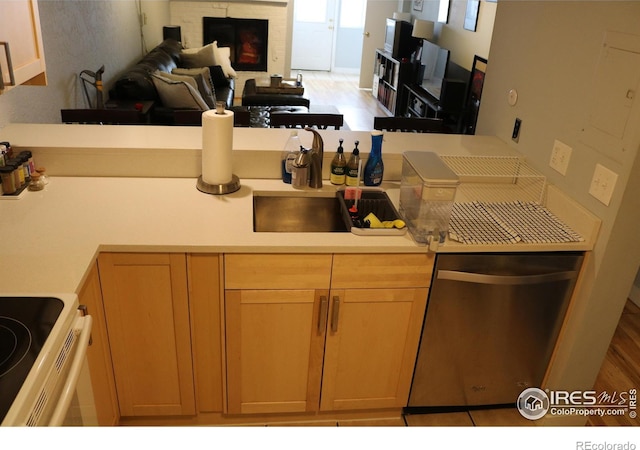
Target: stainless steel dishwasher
[{"x": 491, "y": 324}]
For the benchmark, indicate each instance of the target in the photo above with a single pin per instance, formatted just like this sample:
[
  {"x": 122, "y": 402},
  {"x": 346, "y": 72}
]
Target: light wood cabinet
[
  {"x": 20, "y": 29},
  {"x": 146, "y": 308},
  {"x": 322, "y": 332},
  {"x": 98, "y": 354},
  {"x": 275, "y": 331},
  {"x": 205, "y": 309}
]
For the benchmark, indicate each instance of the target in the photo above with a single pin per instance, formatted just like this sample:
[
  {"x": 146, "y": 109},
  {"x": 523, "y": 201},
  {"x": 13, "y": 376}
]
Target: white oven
[{"x": 43, "y": 364}]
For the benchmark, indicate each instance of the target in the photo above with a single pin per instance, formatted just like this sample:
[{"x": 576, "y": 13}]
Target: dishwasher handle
[{"x": 505, "y": 280}]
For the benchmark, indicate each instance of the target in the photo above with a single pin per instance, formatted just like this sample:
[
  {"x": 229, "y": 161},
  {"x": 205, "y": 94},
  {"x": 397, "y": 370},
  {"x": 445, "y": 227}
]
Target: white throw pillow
[
  {"x": 199, "y": 57},
  {"x": 223, "y": 58},
  {"x": 178, "y": 94}
]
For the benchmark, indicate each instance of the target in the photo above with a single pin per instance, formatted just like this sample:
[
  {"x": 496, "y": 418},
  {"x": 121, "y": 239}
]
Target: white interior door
[
  {"x": 313, "y": 28},
  {"x": 374, "y": 28}
]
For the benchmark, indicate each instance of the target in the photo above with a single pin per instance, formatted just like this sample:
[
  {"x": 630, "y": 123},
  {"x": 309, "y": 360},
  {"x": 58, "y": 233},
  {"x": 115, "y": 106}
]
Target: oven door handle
[{"x": 74, "y": 373}]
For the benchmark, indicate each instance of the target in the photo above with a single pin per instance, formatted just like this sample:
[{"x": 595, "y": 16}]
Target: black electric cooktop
[{"x": 25, "y": 323}]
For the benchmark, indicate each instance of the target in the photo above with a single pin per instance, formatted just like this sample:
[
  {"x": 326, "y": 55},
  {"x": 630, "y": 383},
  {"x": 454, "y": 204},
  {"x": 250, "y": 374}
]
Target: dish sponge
[{"x": 374, "y": 222}]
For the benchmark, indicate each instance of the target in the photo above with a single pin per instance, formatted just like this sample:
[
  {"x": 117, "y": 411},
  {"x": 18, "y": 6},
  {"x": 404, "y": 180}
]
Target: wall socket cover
[
  {"x": 603, "y": 183},
  {"x": 560, "y": 156}
]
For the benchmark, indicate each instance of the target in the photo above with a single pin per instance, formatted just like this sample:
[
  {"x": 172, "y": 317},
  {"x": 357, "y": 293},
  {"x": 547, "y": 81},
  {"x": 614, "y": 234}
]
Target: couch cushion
[
  {"x": 178, "y": 94},
  {"x": 202, "y": 78},
  {"x": 136, "y": 83},
  {"x": 223, "y": 58},
  {"x": 198, "y": 57},
  {"x": 218, "y": 77}
]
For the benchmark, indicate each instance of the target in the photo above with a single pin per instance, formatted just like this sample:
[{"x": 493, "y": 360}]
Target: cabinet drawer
[
  {"x": 286, "y": 271},
  {"x": 355, "y": 271}
]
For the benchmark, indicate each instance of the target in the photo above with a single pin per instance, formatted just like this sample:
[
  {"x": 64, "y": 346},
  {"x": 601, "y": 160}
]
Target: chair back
[
  {"x": 410, "y": 124},
  {"x": 286, "y": 119}
]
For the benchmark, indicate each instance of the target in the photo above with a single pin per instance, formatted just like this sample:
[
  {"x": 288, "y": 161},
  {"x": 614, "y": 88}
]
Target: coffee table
[{"x": 280, "y": 96}]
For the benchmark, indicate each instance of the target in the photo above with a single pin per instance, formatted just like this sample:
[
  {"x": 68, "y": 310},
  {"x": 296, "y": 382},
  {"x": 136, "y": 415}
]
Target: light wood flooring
[{"x": 341, "y": 90}]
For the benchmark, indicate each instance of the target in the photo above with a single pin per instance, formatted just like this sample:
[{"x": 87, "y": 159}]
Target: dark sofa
[{"x": 136, "y": 84}]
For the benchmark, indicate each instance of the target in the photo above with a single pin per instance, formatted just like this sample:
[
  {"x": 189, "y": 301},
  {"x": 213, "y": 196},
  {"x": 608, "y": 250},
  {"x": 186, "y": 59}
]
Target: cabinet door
[
  {"x": 206, "y": 329},
  {"x": 372, "y": 340},
  {"x": 98, "y": 355},
  {"x": 20, "y": 27},
  {"x": 275, "y": 341},
  {"x": 147, "y": 314}
]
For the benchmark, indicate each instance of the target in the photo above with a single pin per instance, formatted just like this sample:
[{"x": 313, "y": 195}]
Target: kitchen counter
[
  {"x": 52, "y": 236},
  {"x": 129, "y": 199}
]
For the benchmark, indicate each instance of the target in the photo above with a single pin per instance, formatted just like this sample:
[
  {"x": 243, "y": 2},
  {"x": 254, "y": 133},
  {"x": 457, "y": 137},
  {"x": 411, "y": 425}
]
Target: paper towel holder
[
  {"x": 219, "y": 189},
  {"x": 224, "y": 188}
]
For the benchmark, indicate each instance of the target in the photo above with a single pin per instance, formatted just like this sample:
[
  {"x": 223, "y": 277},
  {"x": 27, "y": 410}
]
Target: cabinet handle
[
  {"x": 322, "y": 315},
  {"x": 335, "y": 315},
  {"x": 12, "y": 78}
]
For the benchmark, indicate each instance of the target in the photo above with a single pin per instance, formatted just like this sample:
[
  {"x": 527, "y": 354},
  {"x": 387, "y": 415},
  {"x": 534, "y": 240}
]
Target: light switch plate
[
  {"x": 603, "y": 183},
  {"x": 560, "y": 156}
]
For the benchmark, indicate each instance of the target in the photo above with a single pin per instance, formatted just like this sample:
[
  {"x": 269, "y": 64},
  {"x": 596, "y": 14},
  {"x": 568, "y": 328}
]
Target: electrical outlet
[
  {"x": 515, "y": 135},
  {"x": 560, "y": 155},
  {"x": 602, "y": 184}
]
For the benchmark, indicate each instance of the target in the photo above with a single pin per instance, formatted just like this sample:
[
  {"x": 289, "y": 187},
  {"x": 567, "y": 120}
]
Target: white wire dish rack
[{"x": 500, "y": 200}]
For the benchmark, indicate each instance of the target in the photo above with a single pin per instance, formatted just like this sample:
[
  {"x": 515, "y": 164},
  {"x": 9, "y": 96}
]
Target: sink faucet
[{"x": 316, "y": 154}]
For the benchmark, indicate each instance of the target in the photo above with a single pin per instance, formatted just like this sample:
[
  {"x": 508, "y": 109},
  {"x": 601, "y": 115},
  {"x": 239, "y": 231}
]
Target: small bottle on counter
[
  {"x": 36, "y": 183},
  {"x": 3, "y": 155},
  {"x": 43, "y": 174},
  {"x": 352, "y": 178},
  {"x": 24, "y": 160},
  {"x": 291, "y": 149},
  {"x": 8, "y": 179},
  {"x": 18, "y": 172},
  {"x": 339, "y": 166}
]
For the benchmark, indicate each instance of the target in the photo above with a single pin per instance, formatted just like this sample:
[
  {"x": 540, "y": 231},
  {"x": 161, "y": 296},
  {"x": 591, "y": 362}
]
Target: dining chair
[
  {"x": 279, "y": 119},
  {"x": 409, "y": 124}
]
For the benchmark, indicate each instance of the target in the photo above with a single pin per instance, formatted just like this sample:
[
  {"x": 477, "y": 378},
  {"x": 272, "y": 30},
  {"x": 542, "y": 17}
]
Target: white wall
[
  {"x": 189, "y": 14},
  {"x": 548, "y": 52},
  {"x": 81, "y": 35},
  {"x": 463, "y": 44}
]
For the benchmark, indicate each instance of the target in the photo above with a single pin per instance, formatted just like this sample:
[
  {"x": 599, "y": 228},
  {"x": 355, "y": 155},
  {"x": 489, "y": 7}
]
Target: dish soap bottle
[
  {"x": 352, "y": 178},
  {"x": 374, "y": 168},
  {"x": 339, "y": 166},
  {"x": 291, "y": 149}
]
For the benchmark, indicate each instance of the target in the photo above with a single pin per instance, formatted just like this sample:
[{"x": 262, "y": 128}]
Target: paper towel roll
[{"x": 217, "y": 144}]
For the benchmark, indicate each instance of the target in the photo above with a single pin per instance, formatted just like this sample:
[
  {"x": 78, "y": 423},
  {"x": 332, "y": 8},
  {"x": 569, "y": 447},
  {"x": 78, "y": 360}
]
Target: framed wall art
[
  {"x": 471, "y": 16},
  {"x": 417, "y": 5}
]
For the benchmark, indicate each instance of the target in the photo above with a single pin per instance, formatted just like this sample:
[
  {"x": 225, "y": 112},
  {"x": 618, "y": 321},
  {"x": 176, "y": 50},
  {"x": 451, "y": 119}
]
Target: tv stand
[{"x": 419, "y": 103}]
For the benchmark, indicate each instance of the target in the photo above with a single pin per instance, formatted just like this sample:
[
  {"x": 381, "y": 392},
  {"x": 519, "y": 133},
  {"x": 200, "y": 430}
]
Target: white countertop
[
  {"x": 52, "y": 236},
  {"x": 133, "y": 189}
]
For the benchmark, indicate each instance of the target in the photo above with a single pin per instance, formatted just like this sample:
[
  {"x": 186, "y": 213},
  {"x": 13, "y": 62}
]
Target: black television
[
  {"x": 398, "y": 40},
  {"x": 433, "y": 68}
]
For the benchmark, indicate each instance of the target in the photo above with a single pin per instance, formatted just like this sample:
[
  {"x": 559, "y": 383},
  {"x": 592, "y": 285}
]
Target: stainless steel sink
[{"x": 296, "y": 213}]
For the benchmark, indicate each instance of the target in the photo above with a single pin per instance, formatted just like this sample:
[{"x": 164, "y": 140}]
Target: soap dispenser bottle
[
  {"x": 374, "y": 168},
  {"x": 339, "y": 166},
  {"x": 353, "y": 178}
]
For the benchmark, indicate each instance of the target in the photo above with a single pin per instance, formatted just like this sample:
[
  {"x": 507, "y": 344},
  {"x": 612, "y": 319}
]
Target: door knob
[{"x": 366, "y": 34}]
